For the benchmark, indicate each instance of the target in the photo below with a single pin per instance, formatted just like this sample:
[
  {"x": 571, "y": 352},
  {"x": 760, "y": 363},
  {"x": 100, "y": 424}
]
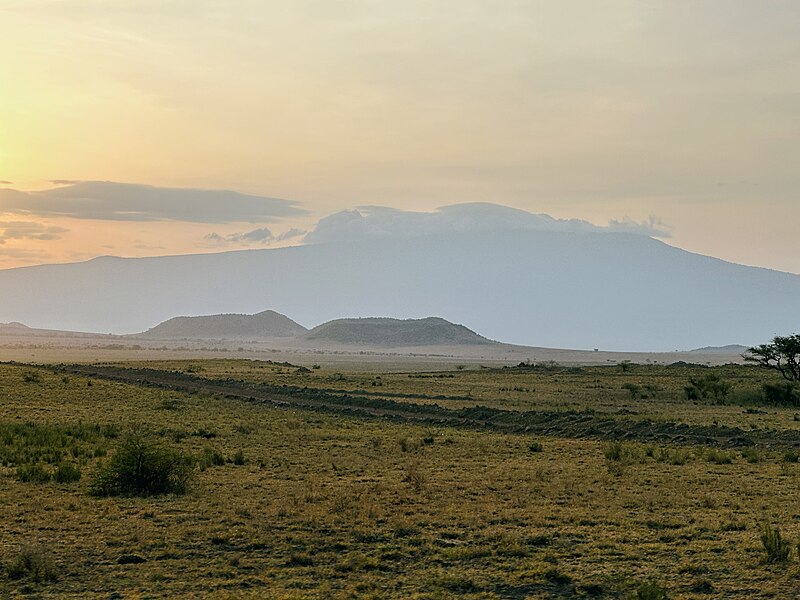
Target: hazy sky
[{"x": 684, "y": 110}]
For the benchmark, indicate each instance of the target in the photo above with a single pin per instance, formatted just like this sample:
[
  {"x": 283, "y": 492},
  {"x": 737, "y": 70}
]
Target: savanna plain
[{"x": 279, "y": 480}]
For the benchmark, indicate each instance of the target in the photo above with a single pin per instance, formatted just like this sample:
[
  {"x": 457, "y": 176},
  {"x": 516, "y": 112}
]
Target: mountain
[
  {"x": 266, "y": 324},
  {"x": 612, "y": 291},
  {"x": 430, "y": 331}
]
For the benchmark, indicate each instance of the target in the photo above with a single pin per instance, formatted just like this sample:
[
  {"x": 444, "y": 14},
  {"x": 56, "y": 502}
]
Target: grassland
[{"x": 336, "y": 503}]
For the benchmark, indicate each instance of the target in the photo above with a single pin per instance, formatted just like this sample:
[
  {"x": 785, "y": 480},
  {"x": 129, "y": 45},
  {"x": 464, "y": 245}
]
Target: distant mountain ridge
[
  {"x": 612, "y": 291},
  {"x": 374, "y": 331},
  {"x": 266, "y": 324}
]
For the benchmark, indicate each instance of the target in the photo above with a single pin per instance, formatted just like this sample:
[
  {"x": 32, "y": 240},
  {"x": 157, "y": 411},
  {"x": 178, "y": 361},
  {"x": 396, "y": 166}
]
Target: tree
[{"x": 782, "y": 355}]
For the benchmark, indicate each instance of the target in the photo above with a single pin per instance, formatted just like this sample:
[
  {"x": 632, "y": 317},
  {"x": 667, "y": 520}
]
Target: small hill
[
  {"x": 14, "y": 326},
  {"x": 431, "y": 331},
  {"x": 267, "y": 324},
  {"x": 729, "y": 349}
]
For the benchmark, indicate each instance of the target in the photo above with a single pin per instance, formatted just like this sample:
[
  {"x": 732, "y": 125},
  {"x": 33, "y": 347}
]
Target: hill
[
  {"x": 612, "y": 291},
  {"x": 266, "y": 324},
  {"x": 430, "y": 331}
]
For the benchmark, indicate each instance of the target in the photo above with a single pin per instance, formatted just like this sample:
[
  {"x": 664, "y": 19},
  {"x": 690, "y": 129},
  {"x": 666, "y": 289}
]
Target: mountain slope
[
  {"x": 431, "y": 331},
  {"x": 266, "y": 324},
  {"x": 611, "y": 291}
]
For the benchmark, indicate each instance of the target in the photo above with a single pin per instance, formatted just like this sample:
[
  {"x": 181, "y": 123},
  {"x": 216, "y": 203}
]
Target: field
[{"x": 536, "y": 481}]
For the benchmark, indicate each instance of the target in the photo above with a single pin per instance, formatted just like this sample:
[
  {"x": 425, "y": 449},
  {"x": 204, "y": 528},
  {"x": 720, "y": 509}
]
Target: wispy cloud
[
  {"x": 262, "y": 235},
  {"x": 291, "y": 234},
  {"x": 29, "y": 230},
  {"x": 374, "y": 222},
  {"x": 111, "y": 201}
]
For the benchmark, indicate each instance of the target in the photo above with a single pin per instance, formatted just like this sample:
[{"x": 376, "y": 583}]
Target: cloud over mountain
[
  {"x": 375, "y": 222},
  {"x": 29, "y": 230},
  {"x": 106, "y": 200}
]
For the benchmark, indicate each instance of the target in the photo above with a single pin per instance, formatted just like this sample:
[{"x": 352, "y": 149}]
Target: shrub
[
  {"x": 776, "y": 547},
  {"x": 535, "y": 447},
  {"x": 33, "y": 473},
  {"x": 651, "y": 591},
  {"x": 791, "y": 456},
  {"x": 781, "y": 394},
  {"x": 211, "y": 457},
  {"x": 67, "y": 473},
  {"x": 752, "y": 455},
  {"x": 634, "y": 391},
  {"x": 621, "y": 452},
  {"x": 142, "y": 467},
  {"x": 415, "y": 478},
  {"x": 34, "y": 563},
  {"x": 718, "y": 457},
  {"x": 708, "y": 387},
  {"x": 31, "y": 377},
  {"x": 238, "y": 458}
]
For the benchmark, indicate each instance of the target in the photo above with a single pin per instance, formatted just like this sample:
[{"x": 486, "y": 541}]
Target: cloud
[
  {"x": 262, "y": 235},
  {"x": 375, "y": 222},
  {"x": 291, "y": 234},
  {"x": 29, "y": 230},
  {"x": 653, "y": 226},
  {"x": 111, "y": 201}
]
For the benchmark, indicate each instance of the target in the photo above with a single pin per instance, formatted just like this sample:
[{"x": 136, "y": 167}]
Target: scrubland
[{"x": 326, "y": 500}]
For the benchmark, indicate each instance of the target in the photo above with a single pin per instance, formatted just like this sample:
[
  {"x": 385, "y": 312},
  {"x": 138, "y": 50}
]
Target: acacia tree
[{"x": 782, "y": 355}]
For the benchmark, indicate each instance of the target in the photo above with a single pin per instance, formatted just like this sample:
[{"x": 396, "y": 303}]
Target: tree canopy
[{"x": 782, "y": 355}]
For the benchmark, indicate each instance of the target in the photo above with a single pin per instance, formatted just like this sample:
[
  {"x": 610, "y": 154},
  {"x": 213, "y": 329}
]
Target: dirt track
[{"x": 570, "y": 424}]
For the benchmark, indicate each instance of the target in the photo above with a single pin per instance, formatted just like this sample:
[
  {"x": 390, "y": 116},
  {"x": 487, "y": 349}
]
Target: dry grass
[{"x": 328, "y": 506}]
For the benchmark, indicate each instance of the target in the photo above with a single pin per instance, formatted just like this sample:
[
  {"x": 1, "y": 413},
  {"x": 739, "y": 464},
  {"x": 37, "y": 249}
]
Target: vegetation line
[{"x": 570, "y": 424}]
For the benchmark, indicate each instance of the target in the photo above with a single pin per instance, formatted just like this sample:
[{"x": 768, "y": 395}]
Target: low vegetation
[{"x": 614, "y": 494}]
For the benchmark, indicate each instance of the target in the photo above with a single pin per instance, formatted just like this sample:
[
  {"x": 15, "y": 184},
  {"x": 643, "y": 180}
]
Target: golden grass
[{"x": 328, "y": 506}]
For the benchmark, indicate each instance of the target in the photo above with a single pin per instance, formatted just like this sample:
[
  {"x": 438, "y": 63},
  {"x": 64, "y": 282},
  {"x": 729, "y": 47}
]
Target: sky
[{"x": 243, "y": 123}]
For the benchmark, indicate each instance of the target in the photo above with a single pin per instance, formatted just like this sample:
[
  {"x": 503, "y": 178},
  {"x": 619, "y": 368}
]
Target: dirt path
[{"x": 571, "y": 424}]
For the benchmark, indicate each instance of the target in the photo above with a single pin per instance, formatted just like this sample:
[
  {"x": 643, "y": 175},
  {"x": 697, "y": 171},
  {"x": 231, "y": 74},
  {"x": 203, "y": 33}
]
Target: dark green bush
[
  {"x": 67, "y": 473},
  {"x": 143, "y": 467},
  {"x": 781, "y": 394},
  {"x": 706, "y": 388}
]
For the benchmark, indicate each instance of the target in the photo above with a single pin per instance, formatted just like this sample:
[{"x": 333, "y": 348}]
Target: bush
[
  {"x": 143, "y": 467},
  {"x": 535, "y": 447},
  {"x": 781, "y": 394},
  {"x": 776, "y": 547},
  {"x": 752, "y": 455},
  {"x": 211, "y": 457},
  {"x": 718, "y": 457},
  {"x": 67, "y": 473},
  {"x": 31, "y": 377},
  {"x": 33, "y": 563},
  {"x": 33, "y": 473},
  {"x": 634, "y": 391},
  {"x": 651, "y": 591},
  {"x": 708, "y": 387},
  {"x": 791, "y": 456}
]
